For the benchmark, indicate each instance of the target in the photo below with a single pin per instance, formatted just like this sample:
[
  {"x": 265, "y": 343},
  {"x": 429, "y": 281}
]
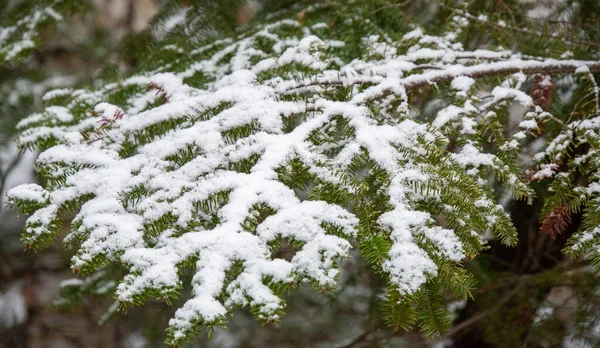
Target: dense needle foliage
[{"x": 323, "y": 127}]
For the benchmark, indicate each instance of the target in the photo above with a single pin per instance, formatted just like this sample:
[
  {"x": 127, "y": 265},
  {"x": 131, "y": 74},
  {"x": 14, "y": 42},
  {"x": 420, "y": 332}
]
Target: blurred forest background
[{"x": 101, "y": 39}]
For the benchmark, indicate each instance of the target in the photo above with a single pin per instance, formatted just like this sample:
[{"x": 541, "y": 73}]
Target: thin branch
[
  {"x": 361, "y": 339},
  {"x": 402, "y": 4},
  {"x": 480, "y": 316},
  {"x": 509, "y": 11},
  {"x": 576, "y": 106},
  {"x": 519, "y": 30},
  {"x": 596, "y": 91}
]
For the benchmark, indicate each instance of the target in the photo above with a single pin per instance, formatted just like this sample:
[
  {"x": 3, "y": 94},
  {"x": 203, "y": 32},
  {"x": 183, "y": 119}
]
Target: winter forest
[{"x": 299, "y": 173}]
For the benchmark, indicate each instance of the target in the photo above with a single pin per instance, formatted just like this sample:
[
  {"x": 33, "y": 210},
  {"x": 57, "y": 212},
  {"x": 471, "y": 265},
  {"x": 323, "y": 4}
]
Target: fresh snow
[{"x": 111, "y": 222}]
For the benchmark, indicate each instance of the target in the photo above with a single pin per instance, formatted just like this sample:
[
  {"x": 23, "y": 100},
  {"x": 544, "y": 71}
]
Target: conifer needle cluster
[{"x": 305, "y": 129}]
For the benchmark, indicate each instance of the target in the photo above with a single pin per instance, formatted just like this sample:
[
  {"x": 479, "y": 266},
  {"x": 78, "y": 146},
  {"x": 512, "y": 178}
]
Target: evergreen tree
[{"x": 245, "y": 160}]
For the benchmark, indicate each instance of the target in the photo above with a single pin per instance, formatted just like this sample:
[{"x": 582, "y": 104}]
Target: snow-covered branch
[{"x": 225, "y": 152}]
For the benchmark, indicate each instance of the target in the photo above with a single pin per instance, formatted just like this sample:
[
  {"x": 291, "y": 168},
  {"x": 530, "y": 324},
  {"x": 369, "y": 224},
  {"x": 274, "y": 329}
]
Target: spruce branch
[{"x": 258, "y": 161}]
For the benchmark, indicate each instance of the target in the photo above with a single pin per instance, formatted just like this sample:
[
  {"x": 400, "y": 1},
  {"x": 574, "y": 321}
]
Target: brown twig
[{"x": 480, "y": 316}]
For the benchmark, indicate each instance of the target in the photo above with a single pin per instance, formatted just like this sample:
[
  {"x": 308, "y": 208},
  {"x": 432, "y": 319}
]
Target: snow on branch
[
  {"x": 213, "y": 161},
  {"x": 22, "y": 35}
]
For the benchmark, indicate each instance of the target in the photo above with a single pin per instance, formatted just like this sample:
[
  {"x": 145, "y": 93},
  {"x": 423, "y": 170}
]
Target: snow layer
[{"x": 207, "y": 164}]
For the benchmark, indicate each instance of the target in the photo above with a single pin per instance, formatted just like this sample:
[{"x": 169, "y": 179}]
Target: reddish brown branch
[
  {"x": 105, "y": 124},
  {"x": 557, "y": 221},
  {"x": 159, "y": 90}
]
